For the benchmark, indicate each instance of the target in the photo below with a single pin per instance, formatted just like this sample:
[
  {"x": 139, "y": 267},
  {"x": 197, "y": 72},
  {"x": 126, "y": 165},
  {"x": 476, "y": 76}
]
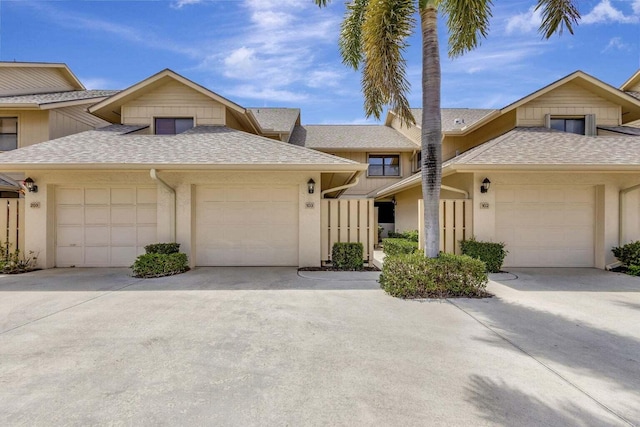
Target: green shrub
[
  {"x": 416, "y": 276},
  {"x": 159, "y": 265},
  {"x": 407, "y": 235},
  {"x": 628, "y": 254},
  {"x": 492, "y": 254},
  {"x": 15, "y": 262},
  {"x": 633, "y": 270},
  {"x": 347, "y": 256},
  {"x": 393, "y": 246},
  {"x": 163, "y": 248}
]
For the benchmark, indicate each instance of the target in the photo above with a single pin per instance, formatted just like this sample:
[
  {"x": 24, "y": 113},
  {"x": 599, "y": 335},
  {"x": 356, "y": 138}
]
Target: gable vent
[{"x": 458, "y": 121}]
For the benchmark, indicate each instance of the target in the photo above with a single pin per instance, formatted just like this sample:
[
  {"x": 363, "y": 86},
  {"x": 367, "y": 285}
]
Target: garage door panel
[
  {"x": 96, "y": 215},
  {"x": 123, "y": 214},
  {"x": 97, "y": 236},
  {"x": 146, "y": 215},
  {"x": 147, "y": 196},
  {"x": 123, "y": 236},
  {"x": 97, "y": 256},
  {"x": 146, "y": 235},
  {"x": 70, "y": 215},
  {"x": 123, "y": 196},
  {"x": 70, "y": 236},
  {"x": 70, "y": 256},
  {"x": 123, "y": 256},
  {"x": 546, "y": 226},
  {"x": 253, "y": 225},
  {"x": 96, "y": 196},
  {"x": 69, "y": 196}
]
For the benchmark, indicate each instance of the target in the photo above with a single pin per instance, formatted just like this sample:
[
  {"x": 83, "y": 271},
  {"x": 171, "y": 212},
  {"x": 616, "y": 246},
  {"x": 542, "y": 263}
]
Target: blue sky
[{"x": 283, "y": 53}]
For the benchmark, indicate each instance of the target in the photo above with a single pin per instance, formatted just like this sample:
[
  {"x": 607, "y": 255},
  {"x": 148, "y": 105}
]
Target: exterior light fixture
[
  {"x": 30, "y": 185},
  {"x": 485, "y": 185},
  {"x": 311, "y": 186}
]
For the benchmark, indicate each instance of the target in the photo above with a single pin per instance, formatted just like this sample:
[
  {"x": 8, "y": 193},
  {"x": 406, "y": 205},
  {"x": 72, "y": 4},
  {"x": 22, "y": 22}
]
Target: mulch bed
[{"x": 330, "y": 268}]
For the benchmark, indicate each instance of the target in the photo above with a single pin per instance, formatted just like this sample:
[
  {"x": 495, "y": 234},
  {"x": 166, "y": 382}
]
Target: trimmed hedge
[
  {"x": 347, "y": 256},
  {"x": 163, "y": 248},
  {"x": 393, "y": 246},
  {"x": 629, "y": 255},
  {"x": 492, "y": 254},
  {"x": 412, "y": 235},
  {"x": 416, "y": 276},
  {"x": 159, "y": 265}
]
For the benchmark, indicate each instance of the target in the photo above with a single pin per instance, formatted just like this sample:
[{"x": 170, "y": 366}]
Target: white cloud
[
  {"x": 616, "y": 43},
  {"x": 323, "y": 78},
  {"x": 635, "y": 5},
  {"x": 97, "y": 83},
  {"x": 179, "y": 4},
  {"x": 527, "y": 22},
  {"x": 495, "y": 56},
  {"x": 605, "y": 12},
  {"x": 266, "y": 94}
]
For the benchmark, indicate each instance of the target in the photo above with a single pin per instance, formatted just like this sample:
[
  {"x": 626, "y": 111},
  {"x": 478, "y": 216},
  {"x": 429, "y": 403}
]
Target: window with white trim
[
  {"x": 172, "y": 125},
  {"x": 8, "y": 133},
  {"x": 384, "y": 165}
]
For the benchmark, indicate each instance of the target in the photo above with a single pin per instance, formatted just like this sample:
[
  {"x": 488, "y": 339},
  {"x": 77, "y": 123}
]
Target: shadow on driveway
[
  {"x": 198, "y": 279},
  {"x": 567, "y": 279}
]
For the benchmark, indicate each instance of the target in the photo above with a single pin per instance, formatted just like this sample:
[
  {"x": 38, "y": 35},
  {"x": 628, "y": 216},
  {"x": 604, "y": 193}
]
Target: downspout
[
  {"x": 455, "y": 190},
  {"x": 621, "y": 211},
  {"x": 155, "y": 177},
  {"x": 342, "y": 187}
]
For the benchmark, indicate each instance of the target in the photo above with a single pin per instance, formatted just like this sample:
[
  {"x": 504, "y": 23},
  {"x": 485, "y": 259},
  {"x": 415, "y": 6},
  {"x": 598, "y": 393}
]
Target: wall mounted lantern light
[
  {"x": 30, "y": 185},
  {"x": 485, "y": 185},
  {"x": 311, "y": 186}
]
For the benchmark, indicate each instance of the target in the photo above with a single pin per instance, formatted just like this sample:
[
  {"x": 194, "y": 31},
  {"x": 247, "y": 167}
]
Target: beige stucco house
[
  {"x": 178, "y": 163},
  {"x": 564, "y": 171}
]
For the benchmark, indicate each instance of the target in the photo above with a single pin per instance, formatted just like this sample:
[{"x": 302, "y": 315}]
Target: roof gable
[
  {"x": 110, "y": 108},
  {"x": 23, "y": 78},
  {"x": 633, "y": 84}
]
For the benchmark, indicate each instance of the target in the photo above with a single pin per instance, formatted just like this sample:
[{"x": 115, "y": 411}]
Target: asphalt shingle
[
  {"x": 350, "y": 137},
  {"x": 51, "y": 98},
  {"x": 276, "y": 119},
  {"x": 455, "y": 118},
  {"x": 202, "y": 145}
]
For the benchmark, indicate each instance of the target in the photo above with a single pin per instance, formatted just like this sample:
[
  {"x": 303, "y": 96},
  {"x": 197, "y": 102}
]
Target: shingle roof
[
  {"x": 210, "y": 146},
  {"x": 455, "y": 118},
  {"x": 7, "y": 184},
  {"x": 634, "y": 94},
  {"x": 51, "y": 98},
  {"x": 351, "y": 137},
  {"x": 276, "y": 119},
  {"x": 625, "y": 130},
  {"x": 542, "y": 146}
]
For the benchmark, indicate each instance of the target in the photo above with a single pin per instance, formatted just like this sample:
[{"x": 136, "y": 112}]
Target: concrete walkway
[{"x": 265, "y": 346}]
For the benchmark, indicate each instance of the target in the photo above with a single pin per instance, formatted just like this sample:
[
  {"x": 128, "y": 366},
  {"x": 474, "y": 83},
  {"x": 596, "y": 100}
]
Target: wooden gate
[
  {"x": 348, "y": 220},
  {"x": 12, "y": 224},
  {"x": 455, "y": 223}
]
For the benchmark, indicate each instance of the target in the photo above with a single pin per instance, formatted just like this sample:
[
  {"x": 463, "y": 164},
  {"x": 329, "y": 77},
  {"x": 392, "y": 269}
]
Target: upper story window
[
  {"x": 581, "y": 125},
  {"x": 418, "y": 165},
  {"x": 568, "y": 125},
  {"x": 8, "y": 133},
  {"x": 384, "y": 165},
  {"x": 172, "y": 125}
]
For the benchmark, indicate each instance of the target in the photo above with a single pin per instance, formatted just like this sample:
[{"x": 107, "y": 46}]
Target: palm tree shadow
[{"x": 503, "y": 404}]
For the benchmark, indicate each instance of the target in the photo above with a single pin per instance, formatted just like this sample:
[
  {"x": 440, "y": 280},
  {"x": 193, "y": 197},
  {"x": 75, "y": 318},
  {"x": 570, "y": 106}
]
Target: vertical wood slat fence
[
  {"x": 348, "y": 220},
  {"x": 455, "y": 223},
  {"x": 12, "y": 224}
]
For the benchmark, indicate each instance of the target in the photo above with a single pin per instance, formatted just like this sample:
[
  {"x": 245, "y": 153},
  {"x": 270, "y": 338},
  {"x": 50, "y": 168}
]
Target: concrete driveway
[{"x": 265, "y": 346}]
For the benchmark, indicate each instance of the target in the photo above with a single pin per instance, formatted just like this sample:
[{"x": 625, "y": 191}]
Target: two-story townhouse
[
  {"x": 39, "y": 102},
  {"x": 553, "y": 175},
  {"x": 178, "y": 163}
]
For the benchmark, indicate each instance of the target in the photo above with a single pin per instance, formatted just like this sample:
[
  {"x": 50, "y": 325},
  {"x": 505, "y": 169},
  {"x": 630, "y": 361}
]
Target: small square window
[
  {"x": 576, "y": 126},
  {"x": 384, "y": 165},
  {"x": 172, "y": 126}
]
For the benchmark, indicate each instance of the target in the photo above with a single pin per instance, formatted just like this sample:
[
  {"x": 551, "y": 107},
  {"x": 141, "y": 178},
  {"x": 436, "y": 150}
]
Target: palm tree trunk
[{"x": 431, "y": 129}]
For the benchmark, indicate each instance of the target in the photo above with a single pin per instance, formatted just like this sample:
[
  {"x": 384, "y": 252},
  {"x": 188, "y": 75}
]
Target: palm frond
[
  {"x": 321, "y": 3},
  {"x": 386, "y": 27},
  {"x": 556, "y": 15},
  {"x": 468, "y": 23},
  {"x": 351, "y": 33}
]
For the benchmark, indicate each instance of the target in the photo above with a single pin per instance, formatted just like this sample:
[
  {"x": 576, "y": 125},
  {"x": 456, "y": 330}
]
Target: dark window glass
[
  {"x": 384, "y": 165},
  {"x": 172, "y": 126},
  {"x": 569, "y": 125},
  {"x": 8, "y": 133}
]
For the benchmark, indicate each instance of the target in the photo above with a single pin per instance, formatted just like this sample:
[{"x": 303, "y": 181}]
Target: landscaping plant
[
  {"x": 416, "y": 276},
  {"x": 161, "y": 259},
  {"x": 629, "y": 255},
  {"x": 15, "y": 262},
  {"x": 394, "y": 246},
  {"x": 347, "y": 256},
  {"x": 492, "y": 254}
]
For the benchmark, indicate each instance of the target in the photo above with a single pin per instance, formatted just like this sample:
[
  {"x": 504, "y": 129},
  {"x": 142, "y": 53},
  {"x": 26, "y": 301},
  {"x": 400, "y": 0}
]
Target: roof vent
[{"x": 458, "y": 121}]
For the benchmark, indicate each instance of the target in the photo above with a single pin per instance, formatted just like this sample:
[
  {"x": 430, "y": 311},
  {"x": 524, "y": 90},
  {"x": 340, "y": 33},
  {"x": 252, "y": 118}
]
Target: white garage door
[
  {"x": 247, "y": 226},
  {"x": 104, "y": 227},
  {"x": 546, "y": 226}
]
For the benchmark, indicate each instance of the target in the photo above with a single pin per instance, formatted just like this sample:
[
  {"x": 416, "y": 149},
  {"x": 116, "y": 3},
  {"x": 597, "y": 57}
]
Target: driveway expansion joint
[
  {"x": 544, "y": 365},
  {"x": 70, "y": 307}
]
